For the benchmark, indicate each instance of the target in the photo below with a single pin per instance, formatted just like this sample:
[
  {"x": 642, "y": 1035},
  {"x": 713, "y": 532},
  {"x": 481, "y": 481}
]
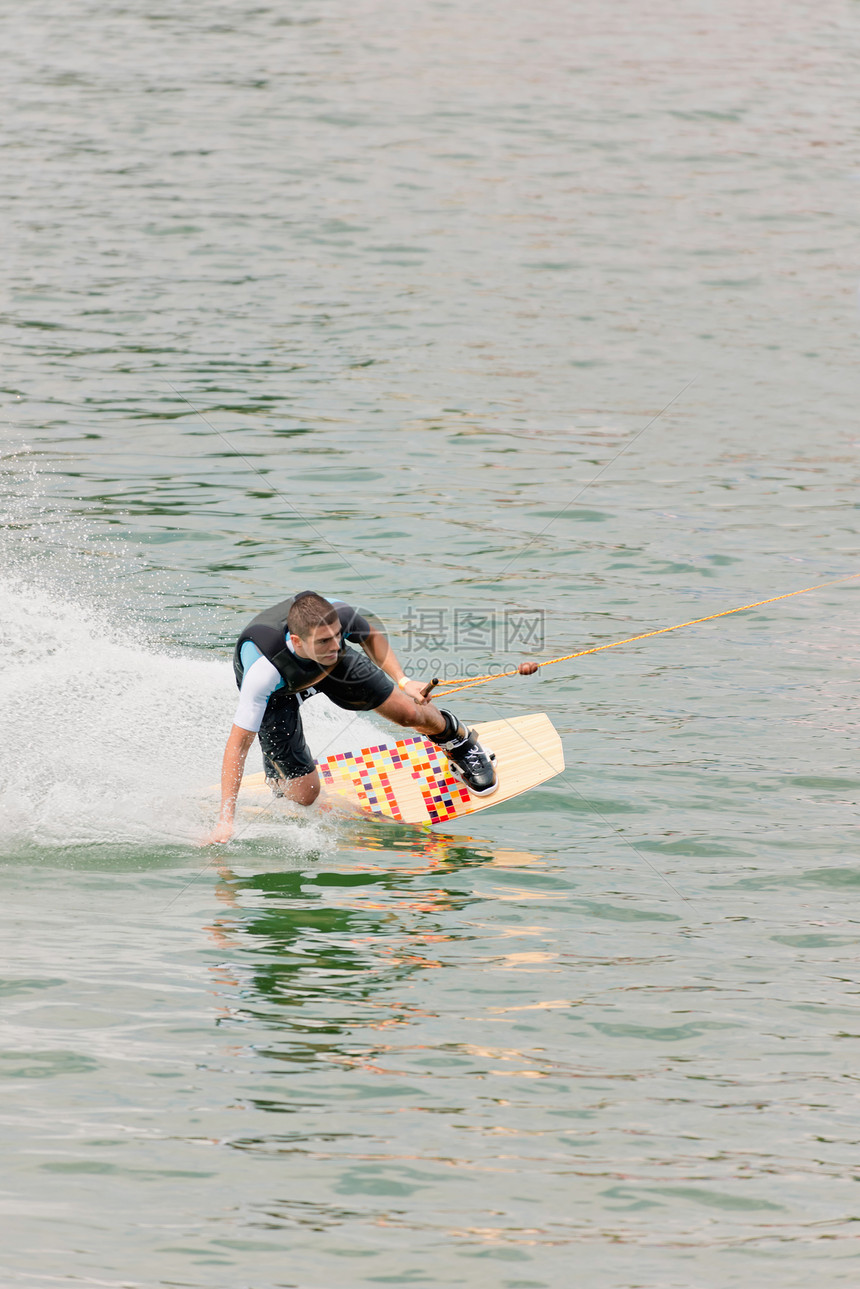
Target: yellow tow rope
[{"x": 452, "y": 686}]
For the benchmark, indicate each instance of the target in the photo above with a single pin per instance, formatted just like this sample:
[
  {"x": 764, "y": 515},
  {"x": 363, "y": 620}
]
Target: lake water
[{"x": 385, "y": 299}]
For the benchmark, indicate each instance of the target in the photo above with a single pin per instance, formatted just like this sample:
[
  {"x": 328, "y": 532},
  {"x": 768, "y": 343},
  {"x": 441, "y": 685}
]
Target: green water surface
[{"x": 385, "y": 299}]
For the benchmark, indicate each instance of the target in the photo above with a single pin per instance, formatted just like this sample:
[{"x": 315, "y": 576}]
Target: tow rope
[{"x": 529, "y": 668}]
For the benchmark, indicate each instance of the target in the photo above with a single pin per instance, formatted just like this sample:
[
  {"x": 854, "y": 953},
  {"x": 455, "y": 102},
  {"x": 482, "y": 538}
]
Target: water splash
[
  {"x": 106, "y": 735},
  {"x": 104, "y": 738}
]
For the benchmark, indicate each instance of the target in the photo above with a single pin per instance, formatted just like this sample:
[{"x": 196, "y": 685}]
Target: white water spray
[
  {"x": 105, "y": 739},
  {"x": 105, "y": 735}
]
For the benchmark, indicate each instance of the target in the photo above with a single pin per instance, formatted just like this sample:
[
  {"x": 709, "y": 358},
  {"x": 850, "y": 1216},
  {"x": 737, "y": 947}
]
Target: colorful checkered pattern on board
[{"x": 370, "y": 771}]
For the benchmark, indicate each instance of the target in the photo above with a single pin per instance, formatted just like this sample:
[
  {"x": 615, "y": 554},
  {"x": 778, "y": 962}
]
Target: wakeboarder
[{"x": 300, "y": 647}]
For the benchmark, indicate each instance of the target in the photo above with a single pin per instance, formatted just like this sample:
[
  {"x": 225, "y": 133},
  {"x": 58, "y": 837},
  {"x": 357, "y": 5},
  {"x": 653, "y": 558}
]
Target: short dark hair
[{"x": 308, "y": 611}]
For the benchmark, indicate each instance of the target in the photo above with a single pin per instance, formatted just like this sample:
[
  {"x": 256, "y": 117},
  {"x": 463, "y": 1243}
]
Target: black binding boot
[{"x": 468, "y": 761}]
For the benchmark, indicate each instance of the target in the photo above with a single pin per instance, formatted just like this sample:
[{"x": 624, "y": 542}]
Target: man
[{"x": 297, "y": 648}]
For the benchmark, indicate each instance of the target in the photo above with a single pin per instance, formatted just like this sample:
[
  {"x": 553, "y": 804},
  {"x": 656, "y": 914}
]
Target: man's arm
[
  {"x": 232, "y": 768},
  {"x": 378, "y": 649}
]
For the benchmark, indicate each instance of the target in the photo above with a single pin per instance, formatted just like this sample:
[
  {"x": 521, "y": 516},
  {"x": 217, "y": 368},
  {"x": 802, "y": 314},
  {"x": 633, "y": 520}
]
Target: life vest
[{"x": 268, "y": 632}]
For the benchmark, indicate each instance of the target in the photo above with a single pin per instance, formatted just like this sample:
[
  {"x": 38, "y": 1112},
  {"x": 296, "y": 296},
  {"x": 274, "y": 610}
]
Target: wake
[{"x": 105, "y": 738}]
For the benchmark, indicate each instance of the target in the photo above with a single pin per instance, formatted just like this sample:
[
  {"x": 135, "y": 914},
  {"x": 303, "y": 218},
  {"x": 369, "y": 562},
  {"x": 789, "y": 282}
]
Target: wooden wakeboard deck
[{"x": 409, "y": 779}]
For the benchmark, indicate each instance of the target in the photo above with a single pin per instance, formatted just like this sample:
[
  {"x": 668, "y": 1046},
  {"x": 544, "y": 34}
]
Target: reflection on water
[
  {"x": 347, "y": 983},
  {"x": 341, "y": 945}
]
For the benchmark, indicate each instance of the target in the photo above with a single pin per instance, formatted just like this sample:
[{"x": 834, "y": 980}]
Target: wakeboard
[{"x": 410, "y": 780}]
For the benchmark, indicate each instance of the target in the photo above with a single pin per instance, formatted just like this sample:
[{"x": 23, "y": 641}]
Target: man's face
[{"x": 322, "y": 645}]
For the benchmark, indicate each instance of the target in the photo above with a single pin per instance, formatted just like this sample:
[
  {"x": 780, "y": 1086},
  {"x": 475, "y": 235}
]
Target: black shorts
[{"x": 355, "y": 683}]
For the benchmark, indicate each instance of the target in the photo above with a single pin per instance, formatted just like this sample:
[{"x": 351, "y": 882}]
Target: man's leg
[
  {"x": 469, "y": 762},
  {"x": 358, "y": 685},
  {"x": 303, "y": 791},
  {"x": 289, "y": 766},
  {"x": 422, "y": 717}
]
